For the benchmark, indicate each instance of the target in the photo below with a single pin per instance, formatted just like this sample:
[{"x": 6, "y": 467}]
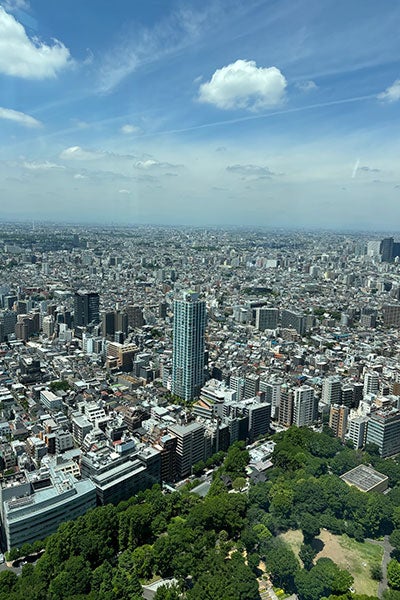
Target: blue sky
[{"x": 274, "y": 113}]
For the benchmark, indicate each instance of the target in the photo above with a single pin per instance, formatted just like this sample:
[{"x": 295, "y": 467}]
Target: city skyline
[{"x": 267, "y": 114}]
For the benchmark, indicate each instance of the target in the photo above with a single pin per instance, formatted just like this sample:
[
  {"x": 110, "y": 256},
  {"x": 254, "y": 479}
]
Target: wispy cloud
[
  {"x": 306, "y": 86},
  {"x": 251, "y": 171},
  {"x": 151, "y": 164},
  {"x": 13, "y": 5},
  {"x": 78, "y": 153},
  {"x": 21, "y": 56},
  {"x": 19, "y": 117},
  {"x": 148, "y": 45},
  {"x": 392, "y": 93},
  {"x": 41, "y": 166},
  {"x": 129, "y": 129}
]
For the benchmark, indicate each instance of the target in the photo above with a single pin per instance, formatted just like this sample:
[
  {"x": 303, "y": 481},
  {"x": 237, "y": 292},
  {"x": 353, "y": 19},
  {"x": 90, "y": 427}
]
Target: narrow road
[{"x": 387, "y": 549}]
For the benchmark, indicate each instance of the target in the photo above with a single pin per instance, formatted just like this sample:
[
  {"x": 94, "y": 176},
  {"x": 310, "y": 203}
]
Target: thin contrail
[
  {"x": 261, "y": 116},
  {"x": 355, "y": 168}
]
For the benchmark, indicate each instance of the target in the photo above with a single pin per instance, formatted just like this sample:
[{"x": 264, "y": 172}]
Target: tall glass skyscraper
[{"x": 188, "y": 346}]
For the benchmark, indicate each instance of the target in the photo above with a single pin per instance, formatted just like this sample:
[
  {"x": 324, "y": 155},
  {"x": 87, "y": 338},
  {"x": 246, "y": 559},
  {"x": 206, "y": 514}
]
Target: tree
[
  {"x": 281, "y": 563},
  {"x": 239, "y": 484},
  {"x": 8, "y": 582},
  {"x": 309, "y": 526},
  {"x": 168, "y": 592},
  {"x": 393, "y": 574},
  {"x": 236, "y": 461},
  {"x": 307, "y": 555},
  {"x": 376, "y": 572},
  {"x": 75, "y": 578},
  {"x": 199, "y": 467},
  {"x": 323, "y": 579}
]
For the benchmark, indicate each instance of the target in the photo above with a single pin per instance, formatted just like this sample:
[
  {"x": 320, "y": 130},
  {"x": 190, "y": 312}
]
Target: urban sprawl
[{"x": 131, "y": 355}]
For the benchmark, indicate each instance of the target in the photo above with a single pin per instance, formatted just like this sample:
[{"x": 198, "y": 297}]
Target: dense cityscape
[
  {"x": 142, "y": 355},
  {"x": 199, "y": 300}
]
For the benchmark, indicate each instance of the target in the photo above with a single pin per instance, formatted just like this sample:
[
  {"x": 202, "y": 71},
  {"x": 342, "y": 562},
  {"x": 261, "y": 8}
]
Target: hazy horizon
[{"x": 233, "y": 113}]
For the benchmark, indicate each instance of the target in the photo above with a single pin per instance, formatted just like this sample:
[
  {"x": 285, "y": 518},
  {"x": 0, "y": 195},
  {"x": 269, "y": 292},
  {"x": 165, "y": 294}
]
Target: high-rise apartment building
[
  {"x": 272, "y": 390},
  {"x": 371, "y": 383},
  {"x": 285, "y": 414},
  {"x": 331, "y": 390},
  {"x": 305, "y": 406},
  {"x": 338, "y": 420},
  {"x": 86, "y": 308},
  {"x": 188, "y": 346}
]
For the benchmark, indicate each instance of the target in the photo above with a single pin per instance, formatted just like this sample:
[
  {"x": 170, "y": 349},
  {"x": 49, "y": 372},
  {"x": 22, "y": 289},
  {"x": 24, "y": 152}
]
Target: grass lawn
[
  {"x": 348, "y": 554},
  {"x": 294, "y": 539}
]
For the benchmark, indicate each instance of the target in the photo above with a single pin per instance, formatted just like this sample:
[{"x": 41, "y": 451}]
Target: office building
[
  {"x": 391, "y": 315},
  {"x": 86, "y": 308},
  {"x": 266, "y": 318},
  {"x": 190, "y": 448},
  {"x": 188, "y": 346},
  {"x": 386, "y": 249},
  {"x": 293, "y": 320},
  {"x": 33, "y": 505},
  {"x": 384, "y": 431}
]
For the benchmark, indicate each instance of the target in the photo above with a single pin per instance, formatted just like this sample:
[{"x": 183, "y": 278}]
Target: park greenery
[{"x": 220, "y": 547}]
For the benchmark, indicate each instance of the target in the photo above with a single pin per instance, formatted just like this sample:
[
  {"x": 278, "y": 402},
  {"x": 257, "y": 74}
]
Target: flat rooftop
[{"x": 364, "y": 478}]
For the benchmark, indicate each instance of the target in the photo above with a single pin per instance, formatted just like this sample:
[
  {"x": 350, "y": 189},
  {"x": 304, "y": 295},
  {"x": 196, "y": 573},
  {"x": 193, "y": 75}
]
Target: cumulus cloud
[
  {"x": 244, "y": 85},
  {"x": 78, "y": 153},
  {"x": 41, "y": 166},
  {"x": 251, "y": 171},
  {"x": 21, "y": 56},
  {"x": 129, "y": 129},
  {"x": 79, "y": 176},
  {"x": 392, "y": 93},
  {"x": 19, "y": 117}
]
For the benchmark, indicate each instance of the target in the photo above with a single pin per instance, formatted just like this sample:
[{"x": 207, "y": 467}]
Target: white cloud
[
  {"x": 244, "y": 85},
  {"x": 44, "y": 166},
  {"x": 79, "y": 176},
  {"x": 124, "y": 191},
  {"x": 129, "y": 129},
  {"x": 150, "y": 163},
  {"x": 19, "y": 117},
  {"x": 78, "y": 153},
  {"x": 392, "y": 93},
  {"x": 21, "y": 56}
]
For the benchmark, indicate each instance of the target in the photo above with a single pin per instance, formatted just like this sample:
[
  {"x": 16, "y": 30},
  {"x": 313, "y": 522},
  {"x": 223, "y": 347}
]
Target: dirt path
[{"x": 387, "y": 549}]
